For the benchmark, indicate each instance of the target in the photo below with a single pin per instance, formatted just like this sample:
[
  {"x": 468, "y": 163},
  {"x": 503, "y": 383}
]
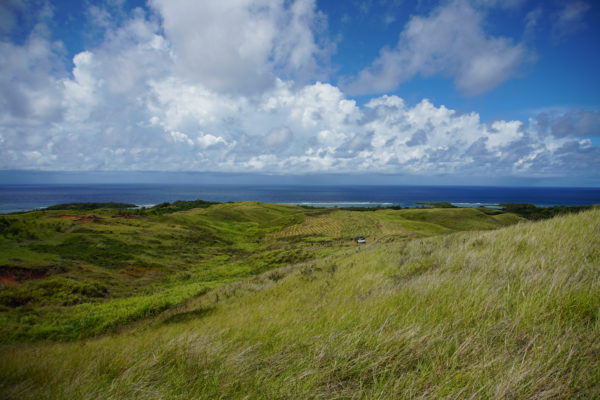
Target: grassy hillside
[
  {"x": 71, "y": 271},
  {"x": 506, "y": 314}
]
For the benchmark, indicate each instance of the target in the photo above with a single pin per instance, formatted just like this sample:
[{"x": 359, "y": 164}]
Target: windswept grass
[
  {"x": 506, "y": 314},
  {"x": 379, "y": 224},
  {"x": 58, "y": 262}
]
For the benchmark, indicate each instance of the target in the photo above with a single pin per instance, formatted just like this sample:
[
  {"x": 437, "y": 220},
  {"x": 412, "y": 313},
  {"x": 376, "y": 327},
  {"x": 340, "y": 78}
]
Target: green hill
[
  {"x": 509, "y": 313},
  {"x": 71, "y": 272}
]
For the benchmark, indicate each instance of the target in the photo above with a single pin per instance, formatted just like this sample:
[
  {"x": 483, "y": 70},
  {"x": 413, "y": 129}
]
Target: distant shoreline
[
  {"x": 340, "y": 205},
  {"x": 22, "y": 198}
]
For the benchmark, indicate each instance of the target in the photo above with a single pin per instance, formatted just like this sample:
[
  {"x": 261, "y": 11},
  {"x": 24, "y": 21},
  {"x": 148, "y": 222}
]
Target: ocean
[{"x": 17, "y": 198}]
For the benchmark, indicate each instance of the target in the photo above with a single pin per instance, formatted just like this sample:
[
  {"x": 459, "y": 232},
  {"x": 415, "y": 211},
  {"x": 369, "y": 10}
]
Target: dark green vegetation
[
  {"x": 422, "y": 311},
  {"x": 89, "y": 206},
  {"x": 71, "y": 272},
  {"x": 536, "y": 213},
  {"x": 166, "y": 208},
  {"x": 162, "y": 208},
  {"x": 439, "y": 204}
]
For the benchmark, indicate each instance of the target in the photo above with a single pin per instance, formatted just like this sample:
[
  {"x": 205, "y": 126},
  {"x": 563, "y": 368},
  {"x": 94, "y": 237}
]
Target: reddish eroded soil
[
  {"x": 88, "y": 218},
  {"x": 15, "y": 275},
  {"x": 8, "y": 279},
  {"x": 134, "y": 272},
  {"x": 79, "y": 217}
]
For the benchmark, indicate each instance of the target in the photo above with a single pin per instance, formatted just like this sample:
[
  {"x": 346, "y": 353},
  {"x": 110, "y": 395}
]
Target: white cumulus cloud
[
  {"x": 241, "y": 46},
  {"x": 450, "y": 42}
]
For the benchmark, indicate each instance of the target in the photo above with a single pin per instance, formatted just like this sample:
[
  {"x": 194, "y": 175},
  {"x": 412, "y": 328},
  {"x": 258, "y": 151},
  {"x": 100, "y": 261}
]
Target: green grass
[
  {"x": 95, "y": 260},
  {"x": 512, "y": 313},
  {"x": 89, "y": 318}
]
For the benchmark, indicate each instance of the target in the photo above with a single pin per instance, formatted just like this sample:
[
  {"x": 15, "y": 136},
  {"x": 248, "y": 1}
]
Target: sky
[{"x": 395, "y": 91}]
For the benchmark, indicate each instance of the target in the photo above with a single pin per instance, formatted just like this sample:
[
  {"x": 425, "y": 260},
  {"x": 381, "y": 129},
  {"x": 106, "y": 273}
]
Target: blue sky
[{"x": 451, "y": 92}]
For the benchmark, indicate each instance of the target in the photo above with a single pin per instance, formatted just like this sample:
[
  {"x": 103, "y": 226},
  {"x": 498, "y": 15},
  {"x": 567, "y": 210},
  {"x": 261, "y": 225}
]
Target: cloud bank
[{"x": 176, "y": 88}]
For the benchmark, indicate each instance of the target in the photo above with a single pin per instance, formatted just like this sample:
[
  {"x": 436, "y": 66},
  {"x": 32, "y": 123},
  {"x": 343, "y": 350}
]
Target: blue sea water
[{"x": 14, "y": 198}]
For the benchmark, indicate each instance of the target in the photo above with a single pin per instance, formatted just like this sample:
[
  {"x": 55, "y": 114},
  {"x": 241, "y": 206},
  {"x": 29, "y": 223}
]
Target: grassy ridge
[{"x": 511, "y": 313}]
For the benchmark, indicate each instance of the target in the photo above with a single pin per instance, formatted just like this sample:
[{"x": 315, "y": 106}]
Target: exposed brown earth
[
  {"x": 88, "y": 218},
  {"x": 15, "y": 275},
  {"x": 78, "y": 217},
  {"x": 134, "y": 272}
]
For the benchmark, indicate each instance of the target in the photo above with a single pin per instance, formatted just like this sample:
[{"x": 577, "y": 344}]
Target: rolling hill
[
  {"x": 71, "y": 272},
  {"x": 422, "y": 311}
]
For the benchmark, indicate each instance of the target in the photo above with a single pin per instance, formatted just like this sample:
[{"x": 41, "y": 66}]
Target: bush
[
  {"x": 535, "y": 213},
  {"x": 90, "y": 206}
]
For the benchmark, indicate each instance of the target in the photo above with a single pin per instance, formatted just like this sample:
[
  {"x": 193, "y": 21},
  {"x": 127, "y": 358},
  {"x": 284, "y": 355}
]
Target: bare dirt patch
[
  {"x": 88, "y": 218},
  {"x": 10, "y": 275},
  {"x": 134, "y": 272},
  {"x": 78, "y": 217}
]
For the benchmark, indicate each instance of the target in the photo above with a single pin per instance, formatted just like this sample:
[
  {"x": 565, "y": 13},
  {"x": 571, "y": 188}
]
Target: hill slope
[
  {"x": 73, "y": 273},
  {"x": 506, "y": 314}
]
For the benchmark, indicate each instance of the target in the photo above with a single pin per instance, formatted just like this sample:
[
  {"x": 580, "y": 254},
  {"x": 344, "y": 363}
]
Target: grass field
[
  {"x": 77, "y": 272},
  {"x": 506, "y": 314}
]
